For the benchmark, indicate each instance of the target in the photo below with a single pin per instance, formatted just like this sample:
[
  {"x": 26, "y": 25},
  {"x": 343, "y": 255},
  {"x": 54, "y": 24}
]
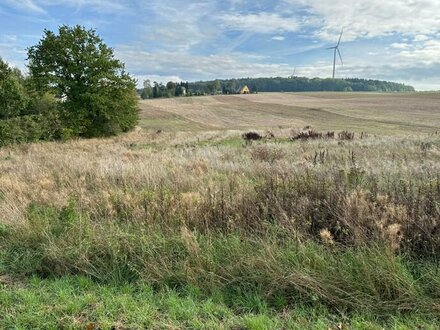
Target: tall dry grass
[
  {"x": 341, "y": 222},
  {"x": 375, "y": 188}
]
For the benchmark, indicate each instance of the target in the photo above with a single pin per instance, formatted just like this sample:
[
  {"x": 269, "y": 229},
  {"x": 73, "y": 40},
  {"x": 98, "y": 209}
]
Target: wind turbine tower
[
  {"x": 336, "y": 49},
  {"x": 294, "y": 73}
]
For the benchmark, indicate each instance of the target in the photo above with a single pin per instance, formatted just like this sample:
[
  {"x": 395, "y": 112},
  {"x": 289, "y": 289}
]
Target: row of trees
[
  {"x": 299, "y": 84},
  {"x": 75, "y": 87},
  {"x": 172, "y": 89},
  {"x": 157, "y": 90},
  {"x": 278, "y": 84}
]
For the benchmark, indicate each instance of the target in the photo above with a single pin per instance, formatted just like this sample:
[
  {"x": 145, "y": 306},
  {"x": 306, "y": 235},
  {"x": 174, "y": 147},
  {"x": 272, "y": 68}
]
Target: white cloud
[
  {"x": 194, "y": 67},
  {"x": 278, "y": 38},
  {"x": 176, "y": 27},
  {"x": 158, "y": 66},
  {"x": 421, "y": 37},
  {"x": 426, "y": 53},
  {"x": 399, "y": 45},
  {"x": 152, "y": 77},
  {"x": 370, "y": 18},
  {"x": 261, "y": 23}
]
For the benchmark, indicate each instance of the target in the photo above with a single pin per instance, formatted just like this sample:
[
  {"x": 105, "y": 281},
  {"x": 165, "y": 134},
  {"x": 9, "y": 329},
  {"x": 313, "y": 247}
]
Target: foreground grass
[
  {"x": 79, "y": 303},
  {"x": 183, "y": 230},
  {"x": 136, "y": 277}
]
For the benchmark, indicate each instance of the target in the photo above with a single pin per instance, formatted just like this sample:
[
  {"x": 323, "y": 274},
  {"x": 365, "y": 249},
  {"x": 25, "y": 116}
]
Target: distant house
[{"x": 244, "y": 90}]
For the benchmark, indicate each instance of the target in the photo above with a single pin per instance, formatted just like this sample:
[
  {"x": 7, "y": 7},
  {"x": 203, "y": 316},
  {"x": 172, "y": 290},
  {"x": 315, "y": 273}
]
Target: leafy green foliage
[
  {"x": 97, "y": 94},
  {"x": 159, "y": 90},
  {"x": 13, "y": 98},
  {"x": 27, "y": 117}
]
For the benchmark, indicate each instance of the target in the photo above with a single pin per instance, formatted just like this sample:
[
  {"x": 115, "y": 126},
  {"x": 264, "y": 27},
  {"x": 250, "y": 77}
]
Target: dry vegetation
[
  {"x": 356, "y": 189},
  {"x": 348, "y": 221}
]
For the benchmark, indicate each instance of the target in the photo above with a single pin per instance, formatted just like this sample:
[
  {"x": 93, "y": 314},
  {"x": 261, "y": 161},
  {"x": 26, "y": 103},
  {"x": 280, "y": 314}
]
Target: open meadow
[{"x": 330, "y": 221}]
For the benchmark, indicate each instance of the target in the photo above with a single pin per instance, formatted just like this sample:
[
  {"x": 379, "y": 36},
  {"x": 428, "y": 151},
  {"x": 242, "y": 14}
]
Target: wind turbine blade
[
  {"x": 340, "y": 37},
  {"x": 331, "y": 48},
  {"x": 339, "y": 53}
]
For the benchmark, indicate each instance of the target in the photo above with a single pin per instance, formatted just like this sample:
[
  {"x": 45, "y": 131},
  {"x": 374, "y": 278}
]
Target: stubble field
[
  {"x": 182, "y": 224},
  {"x": 384, "y": 114}
]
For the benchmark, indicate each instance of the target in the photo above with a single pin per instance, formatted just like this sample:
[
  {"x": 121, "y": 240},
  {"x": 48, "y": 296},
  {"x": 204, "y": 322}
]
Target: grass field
[
  {"x": 384, "y": 114},
  {"x": 194, "y": 228}
]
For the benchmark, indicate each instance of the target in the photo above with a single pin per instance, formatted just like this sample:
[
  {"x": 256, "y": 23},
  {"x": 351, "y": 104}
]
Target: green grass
[
  {"x": 130, "y": 275},
  {"x": 75, "y": 302}
]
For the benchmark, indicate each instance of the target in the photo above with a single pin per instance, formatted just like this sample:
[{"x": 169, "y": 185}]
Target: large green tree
[{"x": 98, "y": 96}]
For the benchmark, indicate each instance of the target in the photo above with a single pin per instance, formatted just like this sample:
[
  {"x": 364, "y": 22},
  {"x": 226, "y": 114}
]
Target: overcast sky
[{"x": 396, "y": 40}]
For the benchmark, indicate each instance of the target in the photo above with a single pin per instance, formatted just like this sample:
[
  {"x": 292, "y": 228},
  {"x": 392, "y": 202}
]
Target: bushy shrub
[
  {"x": 346, "y": 135},
  {"x": 13, "y": 98},
  {"x": 39, "y": 121},
  {"x": 251, "y": 136},
  {"x": 308, "y": 135},
  {"x": 26, "y": 129}
]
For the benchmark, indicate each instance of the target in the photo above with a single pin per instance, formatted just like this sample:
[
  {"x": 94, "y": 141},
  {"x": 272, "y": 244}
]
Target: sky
[{"x": 189, "y": 40}]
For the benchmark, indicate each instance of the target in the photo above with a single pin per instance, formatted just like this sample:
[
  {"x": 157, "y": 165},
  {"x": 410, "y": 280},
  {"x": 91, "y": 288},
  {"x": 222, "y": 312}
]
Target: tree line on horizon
[
  {"x": 273, "y": 84},
  {"x": 158, "y": 90}
]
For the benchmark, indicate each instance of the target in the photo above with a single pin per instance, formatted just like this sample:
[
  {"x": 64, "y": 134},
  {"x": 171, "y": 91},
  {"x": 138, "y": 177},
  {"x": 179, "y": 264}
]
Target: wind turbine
[
  {"x": 293, "y": 75},
  {"x": 336, "y": 49}
]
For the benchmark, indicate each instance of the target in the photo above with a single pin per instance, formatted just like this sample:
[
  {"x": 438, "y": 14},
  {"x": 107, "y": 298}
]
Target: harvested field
[{"x": 384, "y": 114}]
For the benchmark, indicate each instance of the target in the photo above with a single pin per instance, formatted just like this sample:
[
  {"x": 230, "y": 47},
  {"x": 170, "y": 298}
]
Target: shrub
[
  {"x": 251, "y": 136},
  {"x": 346, "y": 135},
  {"x": 21, "y": 130},
  {"x": 42, "y": 123},
  {"x": 308, "y": 135}
]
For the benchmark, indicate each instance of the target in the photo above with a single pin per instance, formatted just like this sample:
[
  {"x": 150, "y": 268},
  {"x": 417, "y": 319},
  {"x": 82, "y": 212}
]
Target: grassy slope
[{"x": 171, "y": 230}]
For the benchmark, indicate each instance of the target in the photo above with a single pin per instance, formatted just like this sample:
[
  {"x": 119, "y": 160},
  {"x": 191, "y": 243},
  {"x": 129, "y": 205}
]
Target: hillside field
[
  {"x": 384, "y": 114},
  {"x": 182, "y": 224}
]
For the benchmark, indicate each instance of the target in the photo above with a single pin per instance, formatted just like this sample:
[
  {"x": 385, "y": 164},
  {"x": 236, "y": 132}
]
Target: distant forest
[
  {"x": 278, "y": 84},
  {"x": 299, "y": 84}
]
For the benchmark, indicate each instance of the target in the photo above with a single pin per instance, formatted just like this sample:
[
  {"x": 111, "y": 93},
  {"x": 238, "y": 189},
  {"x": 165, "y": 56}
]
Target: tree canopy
[{"x": 98, "y": 96}]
